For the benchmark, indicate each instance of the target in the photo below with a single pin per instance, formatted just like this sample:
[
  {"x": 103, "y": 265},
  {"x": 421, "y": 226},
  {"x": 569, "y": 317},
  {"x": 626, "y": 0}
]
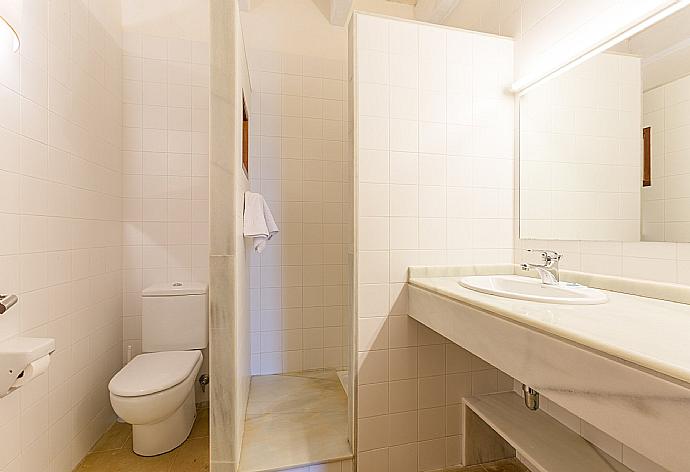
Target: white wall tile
[
  {"x": 299, "y": 170},
  {"x": 420, "y": 201},
  {"x": 54, "y": 183}
]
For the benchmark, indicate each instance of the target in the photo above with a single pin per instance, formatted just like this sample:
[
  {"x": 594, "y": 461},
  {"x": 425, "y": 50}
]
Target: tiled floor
[
  {"x": 507, "y": 465},
  {"x": 294, "y": 420},
  {"x": 113, "y": 452}
]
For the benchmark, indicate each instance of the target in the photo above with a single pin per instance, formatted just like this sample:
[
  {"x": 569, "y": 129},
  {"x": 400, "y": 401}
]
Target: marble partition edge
[
  {"x": 221, "y": 292},
  {"x": 643, "y": 288},
  {"x": 222, "y": 391},
  {"x": 223, "y": 466}
]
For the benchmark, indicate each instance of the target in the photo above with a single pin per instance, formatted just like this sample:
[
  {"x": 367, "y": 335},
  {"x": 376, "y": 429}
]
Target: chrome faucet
[{"x": 549, "y": 270}]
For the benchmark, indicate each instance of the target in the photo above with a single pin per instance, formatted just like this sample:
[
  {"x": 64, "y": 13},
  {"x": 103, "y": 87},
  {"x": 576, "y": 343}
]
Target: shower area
[
  {"x": 300, "y": 338},
  {"x": 281, "y": 338}
]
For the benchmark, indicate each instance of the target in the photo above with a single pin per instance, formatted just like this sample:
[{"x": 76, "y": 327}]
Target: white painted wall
[
  {"x": 60, "y": 247},
  {"x": 384, "y": 7},
  {"x": 502, "y": 17},
  {"x": 181, "y": 19},
  {"x": 308, "y": 33}
]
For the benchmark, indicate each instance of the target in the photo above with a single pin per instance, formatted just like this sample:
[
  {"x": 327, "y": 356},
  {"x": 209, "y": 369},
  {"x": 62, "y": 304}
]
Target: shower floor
[{"x": 294, "y": 420}]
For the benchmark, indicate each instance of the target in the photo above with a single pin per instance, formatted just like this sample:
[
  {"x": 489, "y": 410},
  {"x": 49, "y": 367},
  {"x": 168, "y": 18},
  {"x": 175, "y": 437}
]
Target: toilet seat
[
  {"x": 154, "y": 372},
  {"x": 155, "y": 394}
]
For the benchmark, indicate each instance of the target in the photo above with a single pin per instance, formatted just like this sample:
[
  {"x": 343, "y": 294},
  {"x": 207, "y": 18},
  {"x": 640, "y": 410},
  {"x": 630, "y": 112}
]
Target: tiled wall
[
  {"x": 580, "y": 153},
  {"x": 165, "y": 165},
  {"x": 297, "y": 163},
  {"x": 666, "y": 203},
  {"x": 434, "y": 182},
  {"x": 60, "y": 245}
]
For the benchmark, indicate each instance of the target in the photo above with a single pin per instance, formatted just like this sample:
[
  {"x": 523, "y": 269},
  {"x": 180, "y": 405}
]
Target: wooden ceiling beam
[
  {"x": 340, "y": 12},
  {"x": 434, "y": 11}
]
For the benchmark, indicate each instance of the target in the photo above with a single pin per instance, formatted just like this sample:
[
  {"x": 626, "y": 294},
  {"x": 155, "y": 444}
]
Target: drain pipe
[
  {"x": 204, "y": 381},
  {"x": 531, "y": 397}
]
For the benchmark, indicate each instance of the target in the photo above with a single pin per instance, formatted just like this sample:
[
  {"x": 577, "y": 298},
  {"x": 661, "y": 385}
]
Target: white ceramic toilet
[{"x": 155, "y": 391}]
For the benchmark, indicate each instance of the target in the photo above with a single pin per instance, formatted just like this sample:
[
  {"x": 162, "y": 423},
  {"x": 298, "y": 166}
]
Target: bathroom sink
[{"x": 525, "y": 288}]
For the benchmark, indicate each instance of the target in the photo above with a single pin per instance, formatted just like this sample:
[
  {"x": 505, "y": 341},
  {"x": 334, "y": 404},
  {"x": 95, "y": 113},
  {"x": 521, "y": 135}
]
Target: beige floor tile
[
  {"x": 314, "y": 374},
  {"x": 292, "y": 393},
  {"x": 192, "y": 456},
  {"x": 294, "y": 420},
  {"x": 114, "y": 438},
  {"x": 113, "y": 452},
  {"x": 506, "y": 465},
  {"x": 124, "y": 460},
  {"x": 200, "y": 428}
]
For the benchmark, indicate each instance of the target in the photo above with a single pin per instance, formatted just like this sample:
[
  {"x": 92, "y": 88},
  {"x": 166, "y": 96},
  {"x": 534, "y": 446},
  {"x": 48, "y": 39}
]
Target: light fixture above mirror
[
  {"x": 605, "y": 146},
  {"x": 522, "y": 85},
  {"x": 6, "y": 30}
]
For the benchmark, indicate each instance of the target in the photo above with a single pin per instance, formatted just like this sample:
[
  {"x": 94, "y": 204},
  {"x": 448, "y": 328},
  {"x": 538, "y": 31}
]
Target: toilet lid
[{"x": 153, "y": 372}]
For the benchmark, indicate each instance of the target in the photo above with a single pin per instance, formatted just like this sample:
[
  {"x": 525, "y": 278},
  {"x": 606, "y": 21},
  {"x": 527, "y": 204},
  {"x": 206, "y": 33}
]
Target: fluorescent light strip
[
  {"x": 13, "y": 32},
  {"x": 522, "y": 86}
]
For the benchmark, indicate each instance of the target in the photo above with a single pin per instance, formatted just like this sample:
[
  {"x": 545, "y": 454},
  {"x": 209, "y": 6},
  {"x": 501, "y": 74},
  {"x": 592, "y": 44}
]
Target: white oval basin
[{"x": 526, "y": 288}]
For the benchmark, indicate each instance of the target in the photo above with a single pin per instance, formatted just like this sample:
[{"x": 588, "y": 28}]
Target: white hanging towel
[{"x": 258, "y": 220}]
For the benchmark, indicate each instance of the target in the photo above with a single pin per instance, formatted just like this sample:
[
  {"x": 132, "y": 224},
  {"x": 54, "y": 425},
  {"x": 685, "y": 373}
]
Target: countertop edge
[{"x": 663, "y": 370}]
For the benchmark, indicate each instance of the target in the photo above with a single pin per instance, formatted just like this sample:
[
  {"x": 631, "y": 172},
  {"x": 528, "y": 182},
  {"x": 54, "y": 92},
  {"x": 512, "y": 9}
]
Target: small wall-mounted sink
[{"x": 525, "y": 288}]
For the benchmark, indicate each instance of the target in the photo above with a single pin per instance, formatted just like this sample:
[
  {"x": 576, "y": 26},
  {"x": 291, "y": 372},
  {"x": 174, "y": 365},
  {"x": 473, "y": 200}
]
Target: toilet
[{"x": 154, "y": 392}]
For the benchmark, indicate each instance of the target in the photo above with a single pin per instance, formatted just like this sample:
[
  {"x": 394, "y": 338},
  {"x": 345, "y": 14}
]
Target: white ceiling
[{"x": 663, "y": 37}]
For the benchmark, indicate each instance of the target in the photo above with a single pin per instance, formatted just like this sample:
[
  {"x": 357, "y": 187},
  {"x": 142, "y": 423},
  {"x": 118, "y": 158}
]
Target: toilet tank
[{"x": 174, "y": 317}]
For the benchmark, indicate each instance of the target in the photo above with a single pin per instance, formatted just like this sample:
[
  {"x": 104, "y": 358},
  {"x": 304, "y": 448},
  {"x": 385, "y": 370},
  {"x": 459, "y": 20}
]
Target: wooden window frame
[
  {"x": 647, "y": 157},
  {"x": 245, "y": 137}
]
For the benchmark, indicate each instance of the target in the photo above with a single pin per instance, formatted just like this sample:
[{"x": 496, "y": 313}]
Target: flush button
[{"x": 177, "y": 284}]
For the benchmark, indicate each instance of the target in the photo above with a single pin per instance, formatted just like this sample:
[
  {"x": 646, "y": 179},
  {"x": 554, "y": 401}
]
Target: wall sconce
[{"x": 7, "y": 30}]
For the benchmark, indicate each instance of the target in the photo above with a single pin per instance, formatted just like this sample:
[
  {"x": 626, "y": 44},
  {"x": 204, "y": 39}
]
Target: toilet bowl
[{"x": 155, "y": 394}]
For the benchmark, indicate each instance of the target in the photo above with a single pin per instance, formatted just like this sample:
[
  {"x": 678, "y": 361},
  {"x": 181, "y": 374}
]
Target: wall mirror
[{"x": 605, "y": 145}]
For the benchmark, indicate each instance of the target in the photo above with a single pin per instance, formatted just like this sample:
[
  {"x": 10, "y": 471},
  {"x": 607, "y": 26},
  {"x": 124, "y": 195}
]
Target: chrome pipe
[{"x": 6, "y": 302}]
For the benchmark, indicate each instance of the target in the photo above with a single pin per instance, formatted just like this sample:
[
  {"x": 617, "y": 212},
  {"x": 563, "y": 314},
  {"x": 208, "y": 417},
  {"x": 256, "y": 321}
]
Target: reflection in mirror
[{"x": 605, "y": 146}]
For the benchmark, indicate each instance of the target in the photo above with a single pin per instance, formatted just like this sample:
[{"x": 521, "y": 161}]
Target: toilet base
[{"x": 166, "y": 435}]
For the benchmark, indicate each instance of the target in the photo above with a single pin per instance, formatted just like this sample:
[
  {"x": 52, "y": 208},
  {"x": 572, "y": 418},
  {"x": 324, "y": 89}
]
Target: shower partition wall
[{"x": 228, "y": 294}]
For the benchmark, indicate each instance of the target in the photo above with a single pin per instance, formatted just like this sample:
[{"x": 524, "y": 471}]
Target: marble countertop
[{"x": 649, "y": 332}]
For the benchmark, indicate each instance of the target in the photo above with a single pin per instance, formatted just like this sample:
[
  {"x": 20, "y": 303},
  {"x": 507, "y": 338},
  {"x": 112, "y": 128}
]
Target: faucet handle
[{"x": 547, "y": 254}]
